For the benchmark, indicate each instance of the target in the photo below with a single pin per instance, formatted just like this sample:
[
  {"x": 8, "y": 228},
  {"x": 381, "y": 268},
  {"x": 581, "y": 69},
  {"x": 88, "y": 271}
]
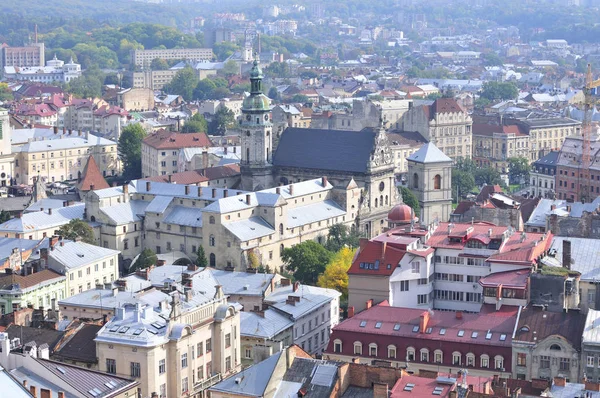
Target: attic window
[
  {"x": 415, "y": 329},
  {"x": 461, "y": 333},
  {"x": 80, "y": 255},
  {"x": 442, "y": 332},
  {"x": 397, "y": 327},
  {"x": 124, "y": 329},
  {"x": 429, "y": 330},
  {"x": 525, "y": 328},
  {"x": 378, "y": 325},
  {"x": 488, "y": 336},
  {"x": 363, "y": 324},
  {"x": 474, "y": 335},
  {"x": 502, "y": 337}
]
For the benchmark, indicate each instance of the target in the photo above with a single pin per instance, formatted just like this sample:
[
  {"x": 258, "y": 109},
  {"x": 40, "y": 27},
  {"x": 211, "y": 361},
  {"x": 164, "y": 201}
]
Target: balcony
[{"x": 207, "y": 383}]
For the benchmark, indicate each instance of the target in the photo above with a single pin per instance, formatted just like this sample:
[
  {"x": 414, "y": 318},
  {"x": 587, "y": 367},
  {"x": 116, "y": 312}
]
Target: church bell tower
[{"x": 256, "y": 136}]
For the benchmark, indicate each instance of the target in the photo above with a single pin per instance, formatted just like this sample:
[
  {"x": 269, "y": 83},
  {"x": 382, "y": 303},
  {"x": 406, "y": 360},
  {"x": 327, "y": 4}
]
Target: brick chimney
[
  {"x": 369, "y": 303},
  {"x": 126, "y": 189},
  {"x": 380, "y": 390},
  {"x": 350, "y": 312},
  {"x": 248, "y": 201},
  {"x": 55, "y": 129},
  {"x": 20, "y": 214},
  {"x": 61, "y": 394},
  {"x": 148, "y": 186},
  {"x": 383, "y": 247},
  {"x": 214, "y": 193},
  {"x": 187, "y": 189},
  {"x": 278, "y": 191},
  {"x": 50, "y": 211},
  {"x": 225, "y": 193},
  {"x": 295, "y": 286},
  {"x": 199, "y": 191},
  {"x": 560, "y": 381},
  {"x": 423, "y": 321},
  {"x": 459, "y": 315},
  {"x": 566, "y": 254},
  {"x": 291, "y": 189},
  {"x": 160, "y": 263},
  {"x": 33, "y": 391},
  {"x": 591, "y": 386},
  {"x": 324, "y": 181}
]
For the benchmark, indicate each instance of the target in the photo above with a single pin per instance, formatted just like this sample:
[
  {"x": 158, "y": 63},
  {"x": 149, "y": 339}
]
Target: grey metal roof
[
  {"x": 591, "y": 331},
  {"x": 241, "y": 283},
  {"x": 11, "y": 387},
  {"x": 311, "y": 297},
  {"x": 315, "y": 212},
  {"x": 267, "y": 327},
  {"x": 125, "y": 213},
  {"x": 47, "y": 203},
  {"x": 188, "y": 216},
  {"x": 429, "y": 153},
  {"x": 542, "y": 210},
  {"x": 159, "y": 204},
  {"x": 585, "y": 256},
  {"x": 550, "y": 122},
  {"x": 252, "y": 228},
  {"x": 77, "y": 254},
  {"x": 252, "y": 381},
  {"x": 8, "y": 244},
  {"x": 38, "y": 220},
  {"x": 339, "y": 150}
]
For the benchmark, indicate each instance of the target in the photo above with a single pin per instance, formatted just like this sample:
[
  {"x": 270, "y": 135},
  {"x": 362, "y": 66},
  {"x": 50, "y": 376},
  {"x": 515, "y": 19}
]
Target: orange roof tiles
[
  {"x": 170, "y": 140},
  {"x": 92, "y": 177}
]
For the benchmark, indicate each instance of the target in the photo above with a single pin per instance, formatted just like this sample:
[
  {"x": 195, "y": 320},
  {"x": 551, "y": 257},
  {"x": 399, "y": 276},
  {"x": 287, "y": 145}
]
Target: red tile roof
[
  {"x": 446, "y": 105},
  {"x": 423, "y": 387},
  {"x": 92, "y": 177},
  {"x": 28, "y": 281},
  {"x": 376, "y": 258},
  {"x": 43, "y": 110},
  {"x": 170, "y": 140},
  {"x": 510, "y": 279},
  {"x": 108, "y": 110},
  {"x": 487, "y": 191}
]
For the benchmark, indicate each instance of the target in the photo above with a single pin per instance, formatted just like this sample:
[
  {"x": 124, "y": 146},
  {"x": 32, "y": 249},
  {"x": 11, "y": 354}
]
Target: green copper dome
[
  {"x": 256, "y": 102},
  {"x": 256, "y": 72}
]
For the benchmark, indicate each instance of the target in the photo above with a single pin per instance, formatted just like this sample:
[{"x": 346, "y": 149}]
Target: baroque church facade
[{"x": 361, "y": 157}]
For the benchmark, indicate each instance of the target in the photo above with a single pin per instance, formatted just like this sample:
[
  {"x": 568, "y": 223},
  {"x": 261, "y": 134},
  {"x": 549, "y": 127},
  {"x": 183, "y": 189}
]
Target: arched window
[
  {"x": 470, "y": 359},
  {"x": 386, "y": 200},
  {"x": 247, "y": 155},
  {"x": 456, "y": 358},
  {"x": 499, "y": 362},
  {"x": 381, "y": 200},
  {"x": 211, "y": 220},
  {"x": 281, "y": 229},
  {"x": 424, "y": 355},
  {"x": 410, "y": 354},
  {"x": 415, "y": 180},
  {"x": 484, "y": 361},
  {"x": 212, "y": 260},
  {"x": 376, "y": 202},
  {"x": 438, "y": 356},
  {"x": 392, "y": 351},
  {"x": 337, "y": 345},
  {"x": 357, "y": 348},
  {"x": 555, "y": 347},
  {"x": 281, "y": 247},
  {"x": 373, "y": 350},
  {"x": 93, "y": 219},
  {"x": 437, "y": 182},
  {"x": 211, "y": 240}
]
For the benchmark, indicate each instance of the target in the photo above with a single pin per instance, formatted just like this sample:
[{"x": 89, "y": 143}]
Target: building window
[
  {"x": 544, "y": 362},
  {"x": 590, "y": 360},
  {"x": 470, "y": 359},
  {"x": 404, "y": 285},
  {"x": 424, "y": 355},
  {"x": 162, "y": 366},
  {"x": 200, "y": 349},
  {"x": 438, "y": 356},
  {"x": 248, "y": 352},
  {"x": 211, "y": 220},
  {"x": 211, "y": 240},
  {"x": 521, "y": 359},
  {"x": 391, "y": 351},
  {"x": 200, "y": 372},
  {"x": 184, "y": 385},
  {"x": 456, "y": 358},
  {"x": 227, "y": 364},
  {"x": 337, "y": 346},
  {"x": 565, "y": 364},
  {"x": 415, "y": 180},
  {"x": 437, "y": 182},
  {"x": 135, "y": 369},
  {"x": 212, "y": 260},
  {"x": 208, "y": 345},
  {"x": 357, "y": 348},
  {"x": 184, "y": 361},
  {"x": 499, "y": 362},
  {"x": 422, "y": 299},
  {"x": 373, "y": 349},
  {"x": 416, "y": 267},
  {"x": 410, "y": 354},
  {"x": 228, "y": 340},
  {"x": 111, "y": 366}
]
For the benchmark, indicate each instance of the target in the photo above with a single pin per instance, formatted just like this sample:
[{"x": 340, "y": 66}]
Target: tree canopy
[
  {"x": 201, "y": 260},
  {"x": 145, "y": 260},
  {"x": 494, "y": 91},
  {"x": 183, "y": 83},
  {"x": 518, "y": 169},
  {"x": 77, "y": 228},
  {"x": 196, "y": 124},
  {"x": 130, "y": 150},
  {"x": 306, "y": 261},
  {"x": 335, "y": 275},
  {"x": 409, "y": 199},
  {"x": 221, "y": 121},
  {"x": 341, "y": 236}
]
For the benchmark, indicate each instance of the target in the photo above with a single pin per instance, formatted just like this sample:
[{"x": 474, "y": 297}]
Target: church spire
[{"x": 256, "y": 77}]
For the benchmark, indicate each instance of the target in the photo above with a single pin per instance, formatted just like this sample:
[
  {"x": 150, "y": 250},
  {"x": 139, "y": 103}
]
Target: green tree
[
  {"x": 221, "y": 121},
  {"x": 278, "y": 69},
  {"x": 159, "y": 64},
  {"x": 220, "y": 93},
  {"x": 5, "y": 92},
  {"x": 463, "y": 183},
  {"x": 341, "y": 236},
  {"x": 4, "y": 216},
  {"x": 299, "y": 98},
  {"x": 196, "y": 124},
  {"x": 518, "y": 169},
  {"x": 130, "y": 150},
  {"x": 88, "y": 85},
  {"x": 273, "y": 94},
  {"x": 306, "y": 261},
  {"x": 145, "y": 260},
  {"x": 183, "y": 83},
  {"x": 494, "y": 91},
  {"x": 204, "y": 89},
  {"x": 77, "y": 228},
  {"x": 409, "y": 199},
  {"x": 491, "y": 59},
  {"x": 231, "y": 68},
  {"x": 336, "y": 272},
  {"x": 201, "y": 260},
  {"x": 224, "y": 50},
  {"x": 253, "y": 260}
]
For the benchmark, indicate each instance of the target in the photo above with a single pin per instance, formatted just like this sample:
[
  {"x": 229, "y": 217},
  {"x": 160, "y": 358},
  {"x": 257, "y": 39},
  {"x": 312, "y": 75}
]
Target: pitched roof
[
  {"x": 377, "y": 255},
  {"x": 8, "y": 281},
  {"x": 487, "y": 191},
  {"x": 536, "y": 325},
  {"x": 429, "y": 153},
  {"x": 170, "y": 140},
  {"x": 446, "y": 105},
  {"x": 92, "y": 177},
  {"x": 39, "y": 336},
  {"x": 81, "y": 346},
  {"x": 339, "y": 150}
]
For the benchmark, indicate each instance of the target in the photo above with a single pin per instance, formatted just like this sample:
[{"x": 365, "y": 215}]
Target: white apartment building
[
  {"x": 84, "y": 265},
  {"x": 160, "y": 151},
  {"x": 143, "y": 58},
  {"x": 54, "y": 71},
  {"x": 40, "y": 224}
]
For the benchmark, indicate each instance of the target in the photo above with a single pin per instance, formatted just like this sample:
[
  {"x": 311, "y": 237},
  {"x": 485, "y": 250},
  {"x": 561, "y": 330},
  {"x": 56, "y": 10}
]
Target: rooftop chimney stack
[
  {"x": 187, "y": 189},
  {"x": 214, "y": 193},
  {"x": 248, "y": 199},
  {"x": 324, "y": 181},
  {"x": 566, "y": 254},
  {"x": 199, "y": 191},
  {"x": 148, "y": 186}
]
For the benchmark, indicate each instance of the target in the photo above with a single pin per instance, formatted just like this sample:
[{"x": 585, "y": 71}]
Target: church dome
[
  {"x": 400, "y": 213},
  {"x": 255, "y": 102}
]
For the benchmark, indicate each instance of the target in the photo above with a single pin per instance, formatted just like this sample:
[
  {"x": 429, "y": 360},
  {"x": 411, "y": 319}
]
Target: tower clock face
[
  {"x": 266, "y": 117},
  {"x": 248, "y": 117},
  {"x": 381, "y": 186}
]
